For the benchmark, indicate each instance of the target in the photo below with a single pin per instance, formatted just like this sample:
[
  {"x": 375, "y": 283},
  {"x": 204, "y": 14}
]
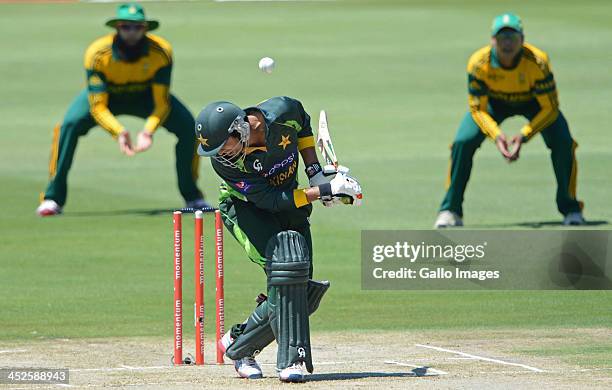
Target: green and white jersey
[{"x": 268, "y": 174}]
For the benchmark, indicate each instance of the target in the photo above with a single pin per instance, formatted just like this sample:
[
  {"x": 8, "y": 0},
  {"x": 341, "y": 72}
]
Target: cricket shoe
[
  {"x": 293, "y": 374},
  {"x": 48, "y": 207},
  {"x": 246, "y": 367},
  {"x": 574, "y": 219},
  {"x": 448, "y": 218},
  {"x": 198, "y": 204}
]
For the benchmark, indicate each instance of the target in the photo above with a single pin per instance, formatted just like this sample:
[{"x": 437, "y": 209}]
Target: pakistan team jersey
[
  {"x": 267, "y": 176},
  {"x": 528, "y": 85},
  {"x": 109, "y": 77}
]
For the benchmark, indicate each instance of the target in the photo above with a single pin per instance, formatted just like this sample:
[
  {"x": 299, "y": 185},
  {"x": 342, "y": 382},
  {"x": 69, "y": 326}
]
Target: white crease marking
[{"x": 486, "y": 359}]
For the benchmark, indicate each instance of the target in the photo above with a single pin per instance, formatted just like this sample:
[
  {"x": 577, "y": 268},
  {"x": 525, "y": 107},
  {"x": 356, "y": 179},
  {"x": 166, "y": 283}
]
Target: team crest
[{"x": 284, "y": 141}]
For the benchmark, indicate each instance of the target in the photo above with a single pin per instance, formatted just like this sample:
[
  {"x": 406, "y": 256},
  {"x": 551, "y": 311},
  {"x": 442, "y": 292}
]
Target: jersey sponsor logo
[
  {"x": 280, "y": 178},
  {"x": 257, "y": 165},
  {"x": 281, "y": 165},
  {"x": 243, "y": 186},
  {"x": 128, "y": 88},
  {"x": 513, "y": 97}
]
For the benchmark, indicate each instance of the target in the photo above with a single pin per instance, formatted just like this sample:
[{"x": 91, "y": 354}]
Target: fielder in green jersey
[{"x": 256, "y": 152}]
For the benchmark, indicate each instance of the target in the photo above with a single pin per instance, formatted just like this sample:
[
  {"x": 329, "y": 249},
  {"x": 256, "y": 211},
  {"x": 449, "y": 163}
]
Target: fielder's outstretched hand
[
  {"x": 502, "y": 145},
  {"x": 125, "y": 143},
  {"x": 516, "y": 142},
  {"x": 145, "y": 140}
]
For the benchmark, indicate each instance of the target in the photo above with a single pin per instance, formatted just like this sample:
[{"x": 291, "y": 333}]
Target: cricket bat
[{"x": 324, "y": 142}]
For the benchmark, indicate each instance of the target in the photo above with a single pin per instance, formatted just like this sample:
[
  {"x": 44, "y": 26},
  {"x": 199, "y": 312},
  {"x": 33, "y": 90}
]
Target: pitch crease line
[{"x": 486, "y": 359}]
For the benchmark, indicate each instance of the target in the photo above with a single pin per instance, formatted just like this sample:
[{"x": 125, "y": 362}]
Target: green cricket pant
[
  {"x": 556, "y": 137},
  {"x": 78, "y": 121},
  {"x": 253, "y": 227}
]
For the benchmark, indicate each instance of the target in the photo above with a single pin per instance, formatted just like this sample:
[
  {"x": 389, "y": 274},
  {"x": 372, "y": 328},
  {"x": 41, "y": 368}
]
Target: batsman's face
[
  {"x": 231, "y": 148},
  {"x": 131, "y": 33},
  {"x": 508, "y": 42}
]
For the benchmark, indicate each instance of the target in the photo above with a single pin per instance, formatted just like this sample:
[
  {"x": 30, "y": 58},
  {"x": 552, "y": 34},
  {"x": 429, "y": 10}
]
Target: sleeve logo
[
  {"x": 243, "y": 186},
  {"x": 95, "y": 81}
]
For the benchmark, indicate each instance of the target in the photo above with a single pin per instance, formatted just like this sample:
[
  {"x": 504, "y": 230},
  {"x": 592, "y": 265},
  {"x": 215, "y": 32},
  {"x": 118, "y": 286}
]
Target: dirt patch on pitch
[{"x": 393, "y": 360}]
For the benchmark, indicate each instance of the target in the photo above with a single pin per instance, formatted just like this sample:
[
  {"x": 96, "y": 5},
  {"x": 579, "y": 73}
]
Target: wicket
[{"x": 199, "y": 287}]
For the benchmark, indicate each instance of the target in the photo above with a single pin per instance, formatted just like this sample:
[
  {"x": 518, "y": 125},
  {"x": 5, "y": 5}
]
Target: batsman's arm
[
  {"x": 269, "y": 198},
  {"x": 256, "y": 189}
]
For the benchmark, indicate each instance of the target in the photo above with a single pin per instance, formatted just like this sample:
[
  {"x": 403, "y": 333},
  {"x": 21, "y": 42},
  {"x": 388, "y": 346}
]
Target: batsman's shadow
[{"x": 341, "y": 376}]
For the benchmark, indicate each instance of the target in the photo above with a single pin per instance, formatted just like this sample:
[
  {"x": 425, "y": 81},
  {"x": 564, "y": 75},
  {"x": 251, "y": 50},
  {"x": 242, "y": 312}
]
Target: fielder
[
  {"x": 510, "y": 77},
  {"x": 255, "y": 152},
  {"x": 128, "y": 73}
]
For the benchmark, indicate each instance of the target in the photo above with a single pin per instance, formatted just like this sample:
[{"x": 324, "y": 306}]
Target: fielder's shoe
[
  {"x": 48, "y": 208},
  {"x": 199, "y": 204},
  {"x": 574, "y": 219},
  {"x": 294, "y": 373},
  {"x": 448, "y": 218},
  {"x": 246, "y": 367}
]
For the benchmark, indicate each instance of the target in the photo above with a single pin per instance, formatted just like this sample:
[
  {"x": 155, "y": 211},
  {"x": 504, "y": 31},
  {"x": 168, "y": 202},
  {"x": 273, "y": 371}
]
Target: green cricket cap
[
  {"x": 132, "y": 12},
  {"x": 506, "y": 20}
]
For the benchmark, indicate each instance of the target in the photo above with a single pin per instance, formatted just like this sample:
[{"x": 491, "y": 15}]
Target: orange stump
[
  {"x": 178, "y": 288},
  {"x": 219, "y": 299},
  {"x": 199, "y": 286}
]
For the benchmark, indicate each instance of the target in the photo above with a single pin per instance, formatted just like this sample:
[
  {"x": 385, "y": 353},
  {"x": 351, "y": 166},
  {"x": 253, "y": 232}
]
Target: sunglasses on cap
[{"x": 131, "y": 27}]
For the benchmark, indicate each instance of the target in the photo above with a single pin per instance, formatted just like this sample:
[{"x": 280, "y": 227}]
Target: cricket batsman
[
  {"x": 255, "y": 152},
  {"x": 128, "y": 73},
  {"x": 506, "y": 78}
]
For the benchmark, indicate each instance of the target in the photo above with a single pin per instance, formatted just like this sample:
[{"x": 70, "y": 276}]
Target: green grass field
[{"x": 391, "y": 75}]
